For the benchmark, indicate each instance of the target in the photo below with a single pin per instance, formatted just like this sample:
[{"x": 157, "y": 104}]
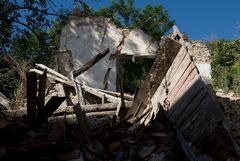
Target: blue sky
[{"x": 200, "y": 19}]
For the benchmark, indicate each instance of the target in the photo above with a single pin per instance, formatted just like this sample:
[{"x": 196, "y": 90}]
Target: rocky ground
[{"x": 231, "y": 108}]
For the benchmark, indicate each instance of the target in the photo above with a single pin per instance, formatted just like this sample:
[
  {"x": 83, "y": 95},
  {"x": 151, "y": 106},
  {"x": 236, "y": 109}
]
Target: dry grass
[{"x": 21, "y": 91}]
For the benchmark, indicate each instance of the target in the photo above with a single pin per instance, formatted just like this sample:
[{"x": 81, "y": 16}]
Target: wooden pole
[
  {"x": 90, "y": 63},
  {"x": 31, "y": 95}
]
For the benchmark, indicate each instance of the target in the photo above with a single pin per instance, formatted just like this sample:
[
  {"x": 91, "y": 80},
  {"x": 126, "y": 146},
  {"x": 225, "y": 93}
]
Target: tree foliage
[
  {"x": 153, "y": 20},
  {"x": 28, "y": 29},
  {"x": 225, "y": 56},
  {"x": 26, "y": 35}
]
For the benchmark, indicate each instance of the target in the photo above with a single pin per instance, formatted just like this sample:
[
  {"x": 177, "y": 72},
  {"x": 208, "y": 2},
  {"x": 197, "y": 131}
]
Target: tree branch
[
  {"x": 33, "y": 9},
  {"x": 23, "y": 24}
]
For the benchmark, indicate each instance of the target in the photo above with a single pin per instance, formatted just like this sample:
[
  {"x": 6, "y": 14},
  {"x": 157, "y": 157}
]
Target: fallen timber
[{"x": 175, "y": 86}]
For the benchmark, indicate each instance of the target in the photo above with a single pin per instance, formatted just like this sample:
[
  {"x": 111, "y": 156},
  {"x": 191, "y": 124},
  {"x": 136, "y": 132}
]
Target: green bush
[
  {"x": 134, "y": 73},
  {"x": 225, "y": 56},
  {"x": 9, "y": 81}
]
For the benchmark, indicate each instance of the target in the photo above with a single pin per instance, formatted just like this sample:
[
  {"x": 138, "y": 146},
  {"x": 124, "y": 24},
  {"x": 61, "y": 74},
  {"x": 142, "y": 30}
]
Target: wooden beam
[
  {"x": 90, "y": 63},
  {"x": 162, "y": 63},
  {"x": 80, "y": 114},
  {"x": 82, "y": 119},
  {"x": 15, "y": 65},
  {"x": 66, "y": 82},
  {"x": 89, "y": 115},
  {"x": 117, "y": 94},
  {"x": 42, "y": 89},
  {"x": 53, "y": 72},
  {"x": 96, "y": 108},
  {"x": 120, "y": 83},
  {"x": 100, "y": 94},
  {"x": 78, "y": 90},
  {"x": 31, "y": 95},
  {"x": 86, "y": 108},
  {"x": 50, "y": 107}
]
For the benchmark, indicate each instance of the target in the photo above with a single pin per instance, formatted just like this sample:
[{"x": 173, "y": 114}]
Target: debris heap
[{"x": 174, "y": 116}]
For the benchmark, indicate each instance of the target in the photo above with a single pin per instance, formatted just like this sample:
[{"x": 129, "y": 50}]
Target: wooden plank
[
  {"x": 89, "y": 114},
  {"x": 165, "y": 57},
  {"x": 203, "y": 121},
  {"x": 186, "y": 147},
  {"x": 49, "y": 108},
  {"x": 41, "y": 89},
  {"x": 173, "y": 75},
  {"x": 53, "y": 72},
  {"x": 191, "y": 73},
  {"x": 31, "y": 95},
  {"x": 179, "y": 73},
  {"x": 117, "y": 94},
  {"x": 175, "y": 72},
  {"x": 66, "y": 82},
  {"x": 120, "y": 84},
  {"x": 100, "y": 94},
  {"x": 90, "y": 63},
  {"x": 183, "y": 82},
  {"x": 78, "y": 90},
  {"x": 80, "y": 114},
  {"x": 189, "y": 93},
  {"x": 100, "y": 107},
  {"x": 181, "y": 115},
  {"x": 82, "y": 120}
]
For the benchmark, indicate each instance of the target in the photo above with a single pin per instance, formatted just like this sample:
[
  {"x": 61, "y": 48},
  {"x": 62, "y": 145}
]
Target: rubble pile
[
  {"x": 61, "y": 140},
  {"x": 172, "y": 117},
  {"x": 231, "y": 108}
]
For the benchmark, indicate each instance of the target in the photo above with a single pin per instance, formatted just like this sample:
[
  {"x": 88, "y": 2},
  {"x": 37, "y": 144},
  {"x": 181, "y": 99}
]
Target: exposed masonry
[
  {"x": 201, "y": 56},
  {"x": 199, "y": 51}
]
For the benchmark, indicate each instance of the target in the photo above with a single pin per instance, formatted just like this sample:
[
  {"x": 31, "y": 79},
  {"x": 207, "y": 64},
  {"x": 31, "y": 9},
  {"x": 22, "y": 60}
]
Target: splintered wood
[
  {"x": 174, "y": 85},
  {"x": 162, "y": 63}
]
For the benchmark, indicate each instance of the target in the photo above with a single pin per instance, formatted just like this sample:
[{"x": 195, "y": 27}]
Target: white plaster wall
[
  {"x": 205, "y": 71},
  {"x": 85, "y": 38},
  {"x": 138, "y": 43}
]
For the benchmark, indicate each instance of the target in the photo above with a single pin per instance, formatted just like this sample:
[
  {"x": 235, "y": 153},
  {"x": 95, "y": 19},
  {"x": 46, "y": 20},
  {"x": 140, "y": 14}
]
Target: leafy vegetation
[
  {"x": 26, "y": 34},
  {"x": 225, "y": 56},
  {"x": 153, "y": 20}
]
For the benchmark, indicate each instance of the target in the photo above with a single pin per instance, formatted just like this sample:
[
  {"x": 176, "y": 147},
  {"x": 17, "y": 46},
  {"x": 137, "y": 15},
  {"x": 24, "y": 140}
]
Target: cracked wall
[{"x": 85, "y": 37}]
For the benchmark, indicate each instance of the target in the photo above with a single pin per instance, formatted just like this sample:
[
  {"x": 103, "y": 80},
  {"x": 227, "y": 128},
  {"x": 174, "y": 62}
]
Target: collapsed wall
[{"x": 85, "y": 37}]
